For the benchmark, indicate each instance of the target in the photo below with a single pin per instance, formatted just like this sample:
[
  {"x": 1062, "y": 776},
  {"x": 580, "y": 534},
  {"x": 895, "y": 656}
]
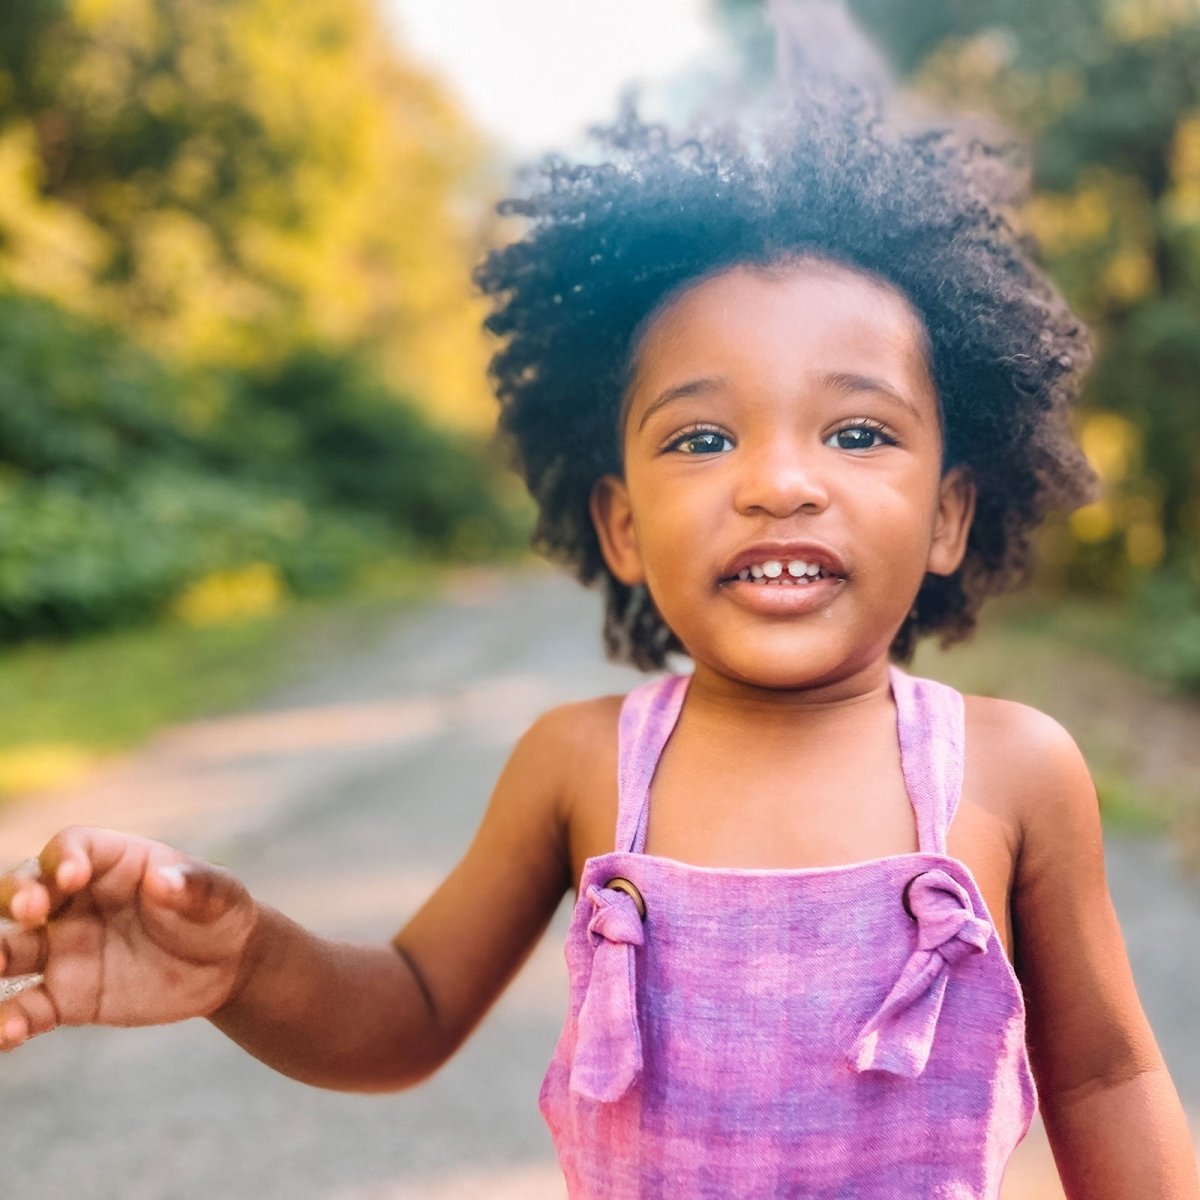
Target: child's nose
[{"x": 780, "y": 481}]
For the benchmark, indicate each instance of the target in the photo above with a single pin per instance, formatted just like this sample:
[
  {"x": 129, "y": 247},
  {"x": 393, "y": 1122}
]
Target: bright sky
[{"x": 535, "y": 72}]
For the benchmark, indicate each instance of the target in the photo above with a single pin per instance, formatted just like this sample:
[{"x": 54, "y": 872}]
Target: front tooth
[
  {"x": 772, "y": 569},
  {"x": 796, "y": 568},
  {"x": 814, "y": 570},
  {"x": 756, "y": 571}
]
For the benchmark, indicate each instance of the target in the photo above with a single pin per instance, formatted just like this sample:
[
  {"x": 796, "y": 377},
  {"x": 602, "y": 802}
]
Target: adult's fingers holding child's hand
[
  {"x": 25, "y": 1010},
  {"x": 23, "y": 952},
  {"x": 25, "y": 1014},
  {"x": 25, "y": 894}
]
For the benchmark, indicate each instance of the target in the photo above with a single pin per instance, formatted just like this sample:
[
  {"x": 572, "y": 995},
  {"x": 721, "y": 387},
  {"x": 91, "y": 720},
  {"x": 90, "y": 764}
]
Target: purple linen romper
[{"x": 846, "y": 1033}]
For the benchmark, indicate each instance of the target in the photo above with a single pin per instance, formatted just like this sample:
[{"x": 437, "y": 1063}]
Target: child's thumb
[{"x": 196, "y": 890}]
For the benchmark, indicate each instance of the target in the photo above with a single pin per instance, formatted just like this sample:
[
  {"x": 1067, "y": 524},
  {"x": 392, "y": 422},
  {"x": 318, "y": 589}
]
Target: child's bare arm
[
  {"x": 121, "y": 943},
  {"x": 1114, "y": 1119},
  {"x": 374, "y": 1018}
]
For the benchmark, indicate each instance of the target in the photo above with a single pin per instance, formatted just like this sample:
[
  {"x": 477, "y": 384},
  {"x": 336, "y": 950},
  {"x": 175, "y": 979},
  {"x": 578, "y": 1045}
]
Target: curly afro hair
[{"x": 607, "y": 243}]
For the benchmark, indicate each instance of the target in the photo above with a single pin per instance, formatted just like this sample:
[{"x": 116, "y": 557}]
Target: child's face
[{"x": 777, "y": 418}]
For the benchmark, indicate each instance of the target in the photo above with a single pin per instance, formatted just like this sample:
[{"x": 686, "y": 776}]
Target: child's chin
[{"x": 786, "y": 670}]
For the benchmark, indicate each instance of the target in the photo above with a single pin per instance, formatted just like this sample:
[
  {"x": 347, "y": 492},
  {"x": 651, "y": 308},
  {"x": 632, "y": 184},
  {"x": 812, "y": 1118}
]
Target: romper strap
[
  {"x": 648, "y": 716},
  {"x": 929, "y": 719}
]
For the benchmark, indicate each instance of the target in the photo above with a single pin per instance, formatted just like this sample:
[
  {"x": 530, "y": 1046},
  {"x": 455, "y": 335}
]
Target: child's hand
[{"x": 123, "y": 931}]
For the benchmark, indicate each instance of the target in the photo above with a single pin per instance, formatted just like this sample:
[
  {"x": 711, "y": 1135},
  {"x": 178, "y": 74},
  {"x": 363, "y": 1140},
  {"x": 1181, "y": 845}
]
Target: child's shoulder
[
  {"x": 1027, "y": 741},
  {"x": 564, "y": 760},
  {"x": 572, "y": 751},
  {"x": 573, "y": 743},
  {"x": 578, "y": 727},
  {"x": 1026, "y": 763}
]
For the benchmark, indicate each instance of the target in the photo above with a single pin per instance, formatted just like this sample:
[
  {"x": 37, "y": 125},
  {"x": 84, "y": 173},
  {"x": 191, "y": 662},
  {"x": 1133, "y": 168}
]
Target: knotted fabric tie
[
  {"x": 608, "y": 1047},
  {"x": 899, "y": 1037}
]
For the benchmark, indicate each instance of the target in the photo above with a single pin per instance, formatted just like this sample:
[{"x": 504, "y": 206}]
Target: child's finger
[
  {"x": 73, "y": 856},
  {"x": 196, "y": 890},
  {"x": 14, "y": 1027}
]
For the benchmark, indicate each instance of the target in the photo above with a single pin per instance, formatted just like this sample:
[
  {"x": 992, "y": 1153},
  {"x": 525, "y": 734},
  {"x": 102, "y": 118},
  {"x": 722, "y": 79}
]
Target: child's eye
[
  {"x": 860, "y": 436},
  {"x": 700, "y": 441}
]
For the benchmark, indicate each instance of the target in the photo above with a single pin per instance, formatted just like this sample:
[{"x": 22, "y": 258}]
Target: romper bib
[{"x": 844, "y": 1033}]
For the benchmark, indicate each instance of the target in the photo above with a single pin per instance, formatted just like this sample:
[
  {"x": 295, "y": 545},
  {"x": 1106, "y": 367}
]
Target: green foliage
[
  {"x": 1171, "y": 644},
  {"x": 77, "y": 558},
  {"x": 1150, "y": 366},
  {"x": 320, "y": 421},
  {"x": 124, "y": 481},
  {"x": 1156, "y": 634},
  {"x": 1125, "y": 806},
  {"x": 77, "y": 401}
]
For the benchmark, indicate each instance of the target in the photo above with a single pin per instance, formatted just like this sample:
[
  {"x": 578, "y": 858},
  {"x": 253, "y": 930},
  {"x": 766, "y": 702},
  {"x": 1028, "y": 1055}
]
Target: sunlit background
[
  {"x": 240, "y": 359},
  {"x": 532, "y": 76},
  {"x": 244, "y": 415}
]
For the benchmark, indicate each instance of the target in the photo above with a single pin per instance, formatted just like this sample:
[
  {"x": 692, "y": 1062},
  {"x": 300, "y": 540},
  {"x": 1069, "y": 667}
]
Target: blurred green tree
[
  {"x": 235, "y": 178},
  {"x": 131, "y": 488}
]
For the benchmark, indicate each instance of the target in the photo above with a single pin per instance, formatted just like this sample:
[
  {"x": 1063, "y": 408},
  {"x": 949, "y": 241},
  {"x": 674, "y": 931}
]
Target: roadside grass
[
  {"x": 1074, "y": 660},
  {"x": 66, "y": 706}
]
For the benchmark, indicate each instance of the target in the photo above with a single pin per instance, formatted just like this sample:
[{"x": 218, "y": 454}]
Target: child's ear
[
  {"x": 956, "y": 507},
  {"x": 612, "y": 517}
]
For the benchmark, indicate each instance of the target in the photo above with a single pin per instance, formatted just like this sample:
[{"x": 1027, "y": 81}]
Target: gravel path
[{"x": 343, "y": 801}]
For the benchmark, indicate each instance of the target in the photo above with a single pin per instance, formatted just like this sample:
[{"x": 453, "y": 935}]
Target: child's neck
[
  {"x": 740, "y": 708},
  {"x": 775, "y": 777}
]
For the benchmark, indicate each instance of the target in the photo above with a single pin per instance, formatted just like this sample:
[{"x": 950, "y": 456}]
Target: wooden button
[{"x": 619, "y": 884}]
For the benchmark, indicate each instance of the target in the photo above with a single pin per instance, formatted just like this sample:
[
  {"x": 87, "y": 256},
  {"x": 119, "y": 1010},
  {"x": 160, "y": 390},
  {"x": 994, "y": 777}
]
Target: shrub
[{"x": 125, "y": 481}]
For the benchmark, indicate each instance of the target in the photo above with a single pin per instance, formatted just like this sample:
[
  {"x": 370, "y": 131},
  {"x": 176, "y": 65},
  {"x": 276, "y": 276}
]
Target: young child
[{"x": 795, "y": 408}]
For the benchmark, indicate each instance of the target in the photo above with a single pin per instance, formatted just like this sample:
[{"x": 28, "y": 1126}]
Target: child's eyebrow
[
  {"x": 844, "y": 381},
  {"x": 693, "y": 387},
  {"x": 849, "y": 382}
]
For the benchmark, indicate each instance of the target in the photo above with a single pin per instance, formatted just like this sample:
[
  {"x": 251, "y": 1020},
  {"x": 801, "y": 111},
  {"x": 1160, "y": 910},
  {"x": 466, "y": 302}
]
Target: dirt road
[{"x": 343, "y": 801}]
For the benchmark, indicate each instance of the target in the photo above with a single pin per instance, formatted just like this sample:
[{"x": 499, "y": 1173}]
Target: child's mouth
[
  {"x": 783, "y": 586},
  {"x": 773, "y": 572}
]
